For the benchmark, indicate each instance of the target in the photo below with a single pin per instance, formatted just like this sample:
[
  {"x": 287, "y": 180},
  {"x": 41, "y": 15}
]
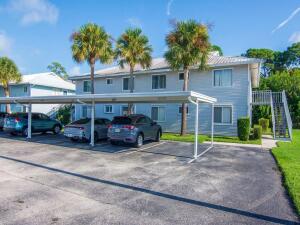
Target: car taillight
[
  {"x": 129, "y": 127},
  {"x": 17, "y": 119},
  {"x": 109, "y": 126}
]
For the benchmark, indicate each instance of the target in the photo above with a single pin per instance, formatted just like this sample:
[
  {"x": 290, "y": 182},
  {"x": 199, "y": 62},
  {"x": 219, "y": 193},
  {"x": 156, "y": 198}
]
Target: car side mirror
[{"x": 153, "y": 123}]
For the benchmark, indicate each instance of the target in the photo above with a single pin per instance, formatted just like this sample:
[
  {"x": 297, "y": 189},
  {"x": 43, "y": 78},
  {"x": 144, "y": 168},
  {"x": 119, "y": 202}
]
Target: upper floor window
[
  {"x": 223, "y": 114},
  {"x": 181, "y": 76},
  {"x": 158, "y": 81},
  {"x": 109, "y": 81},
  {"x": 223, "y": 78},
  {"x": 25, "y": 89},
  {"x": 126, "y": 82},
  {"x": 86, "y": 86},
  {"x": 65, "y": 92}
]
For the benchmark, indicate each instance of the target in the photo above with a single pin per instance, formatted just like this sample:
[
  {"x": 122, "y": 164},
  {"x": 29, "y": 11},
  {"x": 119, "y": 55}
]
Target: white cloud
[
  {"x": 5, "y": 43},
  {"x": 170, "y": 2},
  {"x": 34, "y": 11},
  {"x": 283, "y": 23},
  {"x": 295, "y": 37},
  {"x": 134, "y": 22},
  {"x": 75, "y": 71}
]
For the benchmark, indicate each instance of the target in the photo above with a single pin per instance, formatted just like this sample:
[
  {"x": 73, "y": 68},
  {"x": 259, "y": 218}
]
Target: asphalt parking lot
[{"x": 50, "y": 180}]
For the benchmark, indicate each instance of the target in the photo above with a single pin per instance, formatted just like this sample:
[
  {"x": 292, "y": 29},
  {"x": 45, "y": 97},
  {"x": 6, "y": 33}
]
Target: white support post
[
  {"x": 196, "y": 130},
  {"x": 92, "y": 124},
  {"x": 212, "y": 124},
  {"x": 29, "y": 121}
]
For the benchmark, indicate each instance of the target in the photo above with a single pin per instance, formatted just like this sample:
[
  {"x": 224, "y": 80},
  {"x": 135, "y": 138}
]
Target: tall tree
[
  {"x": 188, "y": 46},
  {"x": 91, "y": 43},
  {"x": 8, "y": 73},
  {"x": 291, "y": 56},
  {"x": 217, "y": 48},
  {"x": 267, "y": 55},
  {"x": 58, "y": 69},
  {"x": 133, "y": 49}
]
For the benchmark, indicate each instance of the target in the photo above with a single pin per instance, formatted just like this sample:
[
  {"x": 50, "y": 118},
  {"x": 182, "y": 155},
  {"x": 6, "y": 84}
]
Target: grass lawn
[
  {"x": 202, "y": 138},
  {"x": 287, "y": 155}
]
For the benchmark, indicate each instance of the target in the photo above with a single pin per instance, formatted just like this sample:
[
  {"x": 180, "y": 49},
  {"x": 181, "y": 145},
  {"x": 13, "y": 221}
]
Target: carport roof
[{"x": 142, "y": 97}]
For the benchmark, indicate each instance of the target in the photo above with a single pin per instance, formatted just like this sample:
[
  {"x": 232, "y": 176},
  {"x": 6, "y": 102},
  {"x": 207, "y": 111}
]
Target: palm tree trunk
[
  {"x": 92, "y": 77},
  {"x": 131, "y": 87},
  {"x": 6, "y": 91},
  {"x": 184, "y": 105}
]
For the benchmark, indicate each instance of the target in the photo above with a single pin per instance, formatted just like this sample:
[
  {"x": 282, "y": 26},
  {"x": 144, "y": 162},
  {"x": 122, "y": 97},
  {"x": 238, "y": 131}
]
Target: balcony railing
[{"x": 264, "y": 97}]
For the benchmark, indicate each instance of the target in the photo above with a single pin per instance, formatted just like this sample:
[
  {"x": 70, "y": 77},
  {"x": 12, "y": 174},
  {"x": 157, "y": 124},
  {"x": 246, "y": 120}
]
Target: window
[
  {"x": 223, "y": 78},
  {"x": 87, "y": 86},
  {"x": 86, "y": 111},
  {"x": 109, "y": 81},
  {"x": 158, "y": 113},
  {"x": 158, "y": 81},
  {"x": 25, "y": 89},
  {"x": 124, "y": 110},
  {"x": 65, "y": 92},
  {"x": 223, "y": 114},
  {"x": 108, "y": 109},
  {"x": 180, "y": 110},
  {"x": 181, "y": 76},
  {"x": 44, "y": 117},
  {"x": 141, "y": 120},
  {"x": 126, "y": 86}
]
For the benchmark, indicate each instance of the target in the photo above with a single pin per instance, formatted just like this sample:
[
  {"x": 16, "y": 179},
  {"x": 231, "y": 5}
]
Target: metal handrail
[
  {"x": 273, "y": 116},
  {"x": 264, "y": 97},
  {"x": 287, "y": 113}
]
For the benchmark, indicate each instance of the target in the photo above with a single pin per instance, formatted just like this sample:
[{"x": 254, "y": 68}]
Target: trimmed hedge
[
  {"x": 264, "y": 123},
  {"x": 257, "y": 132},
  {"x": 243, "y": 125}
]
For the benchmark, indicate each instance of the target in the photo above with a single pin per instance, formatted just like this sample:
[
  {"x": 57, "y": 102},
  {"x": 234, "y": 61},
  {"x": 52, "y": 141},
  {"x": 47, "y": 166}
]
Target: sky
[{"x": 35, "y": 33}]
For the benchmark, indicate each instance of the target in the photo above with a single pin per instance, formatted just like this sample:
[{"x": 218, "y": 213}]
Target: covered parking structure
[{"x": 146, "y": 97}]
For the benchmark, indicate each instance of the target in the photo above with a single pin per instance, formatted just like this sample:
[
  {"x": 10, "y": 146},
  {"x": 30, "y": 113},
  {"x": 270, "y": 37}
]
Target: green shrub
[
  {"x": 243, "y": 128},
  {"x": 264, "y": 123},
  {"x": 64, "y": 114},
  {"x": 257, "y": 132}
]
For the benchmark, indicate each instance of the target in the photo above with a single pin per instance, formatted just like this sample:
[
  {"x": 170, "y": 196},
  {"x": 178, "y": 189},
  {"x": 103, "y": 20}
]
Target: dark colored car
[
  {"x": 2, "y": 116},
  {"x": 135, "y": 129},
  {"x": 81, "y": 129},
  {"x": 17, "y": 123}
]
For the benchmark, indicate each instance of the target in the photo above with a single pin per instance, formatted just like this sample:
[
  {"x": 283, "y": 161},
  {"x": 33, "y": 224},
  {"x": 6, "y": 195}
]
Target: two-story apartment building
[
  {"x": 39, "y": 84},
  {"x": 228, "y": 79}
]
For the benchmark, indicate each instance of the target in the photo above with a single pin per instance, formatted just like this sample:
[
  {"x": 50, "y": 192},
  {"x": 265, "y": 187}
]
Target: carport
[{"x": 146, "y": 97}]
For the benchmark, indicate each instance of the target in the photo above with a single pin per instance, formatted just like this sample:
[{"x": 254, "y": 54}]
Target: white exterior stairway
[{"x": 281, "y": 118}]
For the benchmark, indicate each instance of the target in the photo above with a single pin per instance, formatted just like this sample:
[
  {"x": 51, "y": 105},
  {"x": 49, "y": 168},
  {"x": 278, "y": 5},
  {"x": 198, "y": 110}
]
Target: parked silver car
[
  {"x": 134, "y": 129},
  {"x": 81, "y": 129}
]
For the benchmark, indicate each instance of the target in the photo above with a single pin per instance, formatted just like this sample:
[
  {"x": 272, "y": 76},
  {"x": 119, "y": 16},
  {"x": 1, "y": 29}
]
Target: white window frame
[
  {"x": 25, "y": 89},
  {"x": 65, "y": 92},
  {"x": 224, "y": 105},
  {"x": 128, "y": 83},
  {"x": 112, "y": 109},
  {"x": 183, "y": 76},
  {"x": 152, "y": 81},
  {"x": 213, "y": 77},
  {"x": 83, "y": 86},
  {"x": 161, "y": 106},
  {"x": 111, "y": 79},
  {"x": 121, "y": 107},
  {"x": 88, "y": 111}
]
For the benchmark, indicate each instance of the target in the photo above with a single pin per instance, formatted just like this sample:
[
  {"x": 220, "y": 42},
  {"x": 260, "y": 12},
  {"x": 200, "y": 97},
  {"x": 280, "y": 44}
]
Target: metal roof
[
  {"x": 144, "y": 97},
  {"x": 159, "y": 64}
]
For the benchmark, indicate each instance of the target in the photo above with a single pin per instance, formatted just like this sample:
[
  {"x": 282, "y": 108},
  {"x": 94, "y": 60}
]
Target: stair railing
[
  {"x": 287, "y": 114},
  {"x": 273, "y": 116}
]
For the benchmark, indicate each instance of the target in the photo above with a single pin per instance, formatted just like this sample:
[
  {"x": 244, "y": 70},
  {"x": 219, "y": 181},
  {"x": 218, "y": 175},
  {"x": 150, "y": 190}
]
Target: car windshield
[
  {"x": 122, "y": 120},
  {"x": 81, "y": 121}
]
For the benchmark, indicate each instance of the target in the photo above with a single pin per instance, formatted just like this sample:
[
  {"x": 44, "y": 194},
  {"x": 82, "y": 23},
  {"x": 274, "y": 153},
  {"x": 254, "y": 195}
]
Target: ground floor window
[
  {"x": 108, "y": 109},
  {"x": 85, "y": 111},
  {"x": 158, "y": 113},
  {"x": 223, "y": 114},
  {"x": 124, "y": 110}
]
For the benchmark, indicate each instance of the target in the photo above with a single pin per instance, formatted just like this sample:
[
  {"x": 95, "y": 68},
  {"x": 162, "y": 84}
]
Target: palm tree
[
  {"x": 8, "y": 73},
  {"x": 188, "y": 46},
  {"x": 133, "y": 49},
  {"x": 91, "y": 43}
]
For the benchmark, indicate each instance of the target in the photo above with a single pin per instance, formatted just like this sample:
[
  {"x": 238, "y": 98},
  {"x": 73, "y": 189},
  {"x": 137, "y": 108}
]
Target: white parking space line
[{"x": 141, "y": 149}]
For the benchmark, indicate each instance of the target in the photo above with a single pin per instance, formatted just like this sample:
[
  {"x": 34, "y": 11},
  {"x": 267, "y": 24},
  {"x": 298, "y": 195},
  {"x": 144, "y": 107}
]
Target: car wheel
[
  {"x": 139, "y": 141},
  {"x": 13, "y": 133},
  {"x": 25, "y": 132},
  {"x": 74, "y": 139},
  {"x": 158, "y": 135},
  {"x": 113, "y": 142},
  {"x": 56, "y": 129}
]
